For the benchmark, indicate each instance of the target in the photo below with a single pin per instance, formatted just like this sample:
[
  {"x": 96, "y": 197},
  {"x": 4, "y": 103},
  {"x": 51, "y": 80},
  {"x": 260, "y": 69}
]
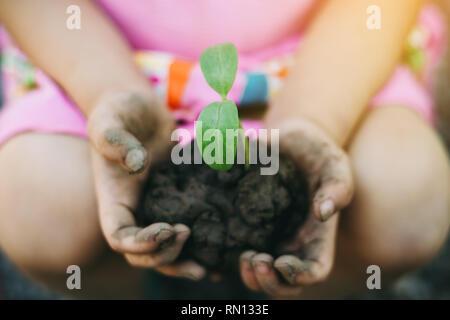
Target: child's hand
[
  {"x": 331, "y": 188},
  {"x": 128, "y": 131}
]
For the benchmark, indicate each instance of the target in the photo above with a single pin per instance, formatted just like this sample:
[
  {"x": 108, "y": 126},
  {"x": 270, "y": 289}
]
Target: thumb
[
  {"x": 335, "y": 188},
  {"x": 120, "y": 146}
]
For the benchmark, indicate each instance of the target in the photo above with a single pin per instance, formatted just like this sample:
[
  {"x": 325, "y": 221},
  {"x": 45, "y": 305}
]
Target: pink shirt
[{"x": 188, "y": 27}]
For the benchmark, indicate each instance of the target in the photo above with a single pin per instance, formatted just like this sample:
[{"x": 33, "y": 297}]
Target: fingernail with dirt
[
  {"x": 326, "y": 209},
  {"x": 163, "y": 235},
  {"x": 194, "y": 273},
  {"x": 247, "y": 256},
  {"x": 289, "y": 272},
  {"x": 135, "y": 160}
]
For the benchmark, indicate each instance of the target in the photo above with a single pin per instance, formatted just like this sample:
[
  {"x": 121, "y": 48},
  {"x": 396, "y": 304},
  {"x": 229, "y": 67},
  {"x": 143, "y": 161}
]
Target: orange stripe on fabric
[
  {"x": 283, "y": 72},
  {"x": 178, "y": 76}
]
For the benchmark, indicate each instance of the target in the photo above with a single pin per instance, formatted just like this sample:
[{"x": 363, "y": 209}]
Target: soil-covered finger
[
  {"x": 167, "y": 252},
  {"x": 117, "y": 144},
  {"x": 186, "y": 269},
  {"x": 302, "y": 272},
  {"x": 158, "y": 234},
  {"x": 131, "y": 239},
  {"x": 290, "y": 267},
  {"x": 268, "y": 279},
  {"x": 335, "y": 190},
  {"x": 247, "y": 272}
]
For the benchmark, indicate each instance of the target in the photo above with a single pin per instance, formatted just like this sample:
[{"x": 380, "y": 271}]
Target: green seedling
[{"x": 219, "y": 120}]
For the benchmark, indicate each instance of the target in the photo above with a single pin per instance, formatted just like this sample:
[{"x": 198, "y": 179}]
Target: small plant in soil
[
  {"x": 220, "y": 119},
  {"x": 229, "y": 207}
]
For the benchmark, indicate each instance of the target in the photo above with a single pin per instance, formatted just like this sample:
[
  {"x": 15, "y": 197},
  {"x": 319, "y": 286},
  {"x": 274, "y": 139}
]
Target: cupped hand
[
  {"x": 310, "y": 254},
  {"x": 128, "y": 131}
]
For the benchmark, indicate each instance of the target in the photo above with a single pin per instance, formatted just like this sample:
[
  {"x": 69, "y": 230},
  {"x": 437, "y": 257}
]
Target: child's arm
[
  {"x": 342, "y": 64},
  {"x": 127, "y": 125},
  {"x": 86, "y": 62},
  {"x": 339, "y": 67}
]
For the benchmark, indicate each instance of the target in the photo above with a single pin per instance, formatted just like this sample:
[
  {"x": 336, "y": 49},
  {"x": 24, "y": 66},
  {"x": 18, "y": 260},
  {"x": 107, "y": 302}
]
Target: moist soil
[{"x": 228, "y": 211}]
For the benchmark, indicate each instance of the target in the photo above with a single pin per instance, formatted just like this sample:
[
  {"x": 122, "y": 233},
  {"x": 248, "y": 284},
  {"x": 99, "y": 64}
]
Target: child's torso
[{"x": 186, "y": 27}]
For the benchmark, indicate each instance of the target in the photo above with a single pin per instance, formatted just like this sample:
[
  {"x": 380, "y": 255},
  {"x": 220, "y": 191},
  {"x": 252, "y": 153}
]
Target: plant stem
[{"x": 245, "y": 142}]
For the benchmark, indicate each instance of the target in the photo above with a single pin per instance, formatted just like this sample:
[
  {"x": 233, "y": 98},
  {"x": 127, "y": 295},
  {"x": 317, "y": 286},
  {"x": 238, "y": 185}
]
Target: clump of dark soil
[{"x": 228, "y": 212}]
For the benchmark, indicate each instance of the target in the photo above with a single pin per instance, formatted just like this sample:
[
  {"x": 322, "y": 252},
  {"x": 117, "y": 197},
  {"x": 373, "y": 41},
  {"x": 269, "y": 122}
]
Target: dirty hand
[
  {"x": 128, "y": 131},
  {"x": 310, "y": 254}
]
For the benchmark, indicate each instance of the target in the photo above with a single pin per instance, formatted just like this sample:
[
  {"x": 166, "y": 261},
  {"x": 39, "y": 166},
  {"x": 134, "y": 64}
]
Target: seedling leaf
[
  {"x": 219, "y": 67},
  {"x": 217, "y": 117}
]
